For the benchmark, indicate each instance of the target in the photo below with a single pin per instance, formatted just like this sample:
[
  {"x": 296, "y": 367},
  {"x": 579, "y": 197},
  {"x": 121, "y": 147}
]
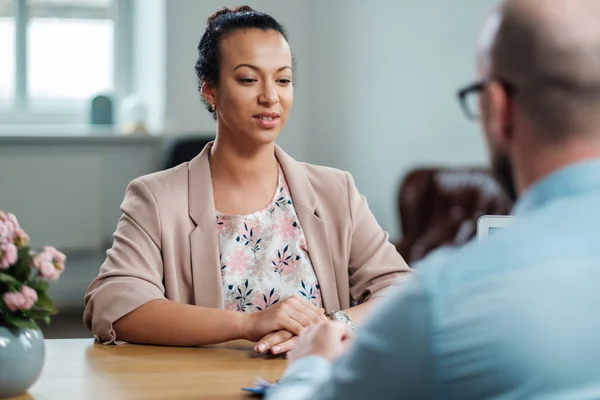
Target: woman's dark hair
[{"x": 220, "y": 24}]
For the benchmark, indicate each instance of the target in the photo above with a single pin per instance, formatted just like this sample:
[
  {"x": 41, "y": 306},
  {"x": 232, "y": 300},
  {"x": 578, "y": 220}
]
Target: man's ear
[
  {"x": 500, "y": 109},
  {"x": 208, "y": 93}
]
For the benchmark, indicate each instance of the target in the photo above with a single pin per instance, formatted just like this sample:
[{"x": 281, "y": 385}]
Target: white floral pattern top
[{"x": 264, "y": 258}]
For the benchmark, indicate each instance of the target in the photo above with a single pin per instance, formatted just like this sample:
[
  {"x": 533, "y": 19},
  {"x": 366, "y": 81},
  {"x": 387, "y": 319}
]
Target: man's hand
[{"x": 328, "y": 340}]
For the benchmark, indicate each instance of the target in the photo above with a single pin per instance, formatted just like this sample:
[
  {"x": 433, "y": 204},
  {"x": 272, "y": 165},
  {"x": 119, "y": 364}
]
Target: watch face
[{"x": 342, "y": 317}]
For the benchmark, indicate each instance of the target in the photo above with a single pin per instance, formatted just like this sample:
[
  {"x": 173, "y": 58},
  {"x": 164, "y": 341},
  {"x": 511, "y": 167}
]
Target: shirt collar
[{"x": 569, "y": 181}]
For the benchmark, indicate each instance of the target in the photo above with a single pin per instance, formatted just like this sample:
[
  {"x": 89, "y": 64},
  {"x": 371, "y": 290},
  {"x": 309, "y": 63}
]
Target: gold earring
[{"x": 213, "y": 107}]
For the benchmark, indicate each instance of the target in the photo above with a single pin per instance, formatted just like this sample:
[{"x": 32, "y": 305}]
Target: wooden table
[{"x": 81, "y": 369}]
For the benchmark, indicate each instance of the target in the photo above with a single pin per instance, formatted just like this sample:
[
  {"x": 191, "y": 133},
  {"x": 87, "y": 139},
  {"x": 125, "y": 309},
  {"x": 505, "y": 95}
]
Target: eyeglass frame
[{"x": 479, "y": 86}]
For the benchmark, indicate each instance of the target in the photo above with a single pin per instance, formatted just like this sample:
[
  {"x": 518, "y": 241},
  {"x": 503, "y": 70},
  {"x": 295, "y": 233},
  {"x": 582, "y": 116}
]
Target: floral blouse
[{"x": 264, "y": 258}]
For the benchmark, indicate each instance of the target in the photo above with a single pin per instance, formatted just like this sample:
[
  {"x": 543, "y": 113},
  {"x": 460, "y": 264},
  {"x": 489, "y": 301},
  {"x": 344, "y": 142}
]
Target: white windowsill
[
  {"x": 65, "y": 134},
  {"x": 53, "y": 129}
]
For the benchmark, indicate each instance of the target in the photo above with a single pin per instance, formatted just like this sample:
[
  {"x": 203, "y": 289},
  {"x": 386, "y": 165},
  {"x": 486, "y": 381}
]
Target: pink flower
[
  {"x": 8, "y": 225},
  {"x": 7, "y": 231},
  {"x": 238, "y": 260},
  {"x": 286, "y": 227},
  {"x": 30, "y": 295},
  {"x": 49, "y": 262},
  {"x": 20, "y": 301},
  {"x": 21, "y": 239},
  {"x": 57, "y": 256},
  {"x": 13, "y": 219},
  {"x": 15, "y": 301},
  {"x": 8, "y": 255},
  {"x": 46, "y": 269}
]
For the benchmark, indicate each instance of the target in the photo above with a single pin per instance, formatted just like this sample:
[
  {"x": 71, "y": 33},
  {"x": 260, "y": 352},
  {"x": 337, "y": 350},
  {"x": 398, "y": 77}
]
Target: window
[
  {"x": 7, "y": 55},
  {"x": 55, "y": 56}
]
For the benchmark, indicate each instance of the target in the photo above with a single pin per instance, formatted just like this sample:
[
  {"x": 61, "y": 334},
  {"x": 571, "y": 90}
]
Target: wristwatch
[{"x": 341, "y": 317}]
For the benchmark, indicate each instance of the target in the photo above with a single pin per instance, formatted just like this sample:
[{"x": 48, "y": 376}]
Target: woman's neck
[{"x": 242, "y": 165}]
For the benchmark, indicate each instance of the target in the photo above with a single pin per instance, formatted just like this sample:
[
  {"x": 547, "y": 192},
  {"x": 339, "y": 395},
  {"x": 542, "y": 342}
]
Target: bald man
[{"x": 515, "y": 316}]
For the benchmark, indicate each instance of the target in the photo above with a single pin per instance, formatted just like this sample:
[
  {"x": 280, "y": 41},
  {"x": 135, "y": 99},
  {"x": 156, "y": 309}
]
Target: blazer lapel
[
  {"x": 305, "y": 203},
  {"x": 204, "y": 239}
]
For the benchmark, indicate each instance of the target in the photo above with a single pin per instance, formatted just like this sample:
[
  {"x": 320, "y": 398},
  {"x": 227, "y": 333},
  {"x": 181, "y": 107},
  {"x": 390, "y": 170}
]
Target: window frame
[{"x": 64, "y": 111}]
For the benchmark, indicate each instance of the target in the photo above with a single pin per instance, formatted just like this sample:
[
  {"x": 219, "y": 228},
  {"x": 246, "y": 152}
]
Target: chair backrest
[
  {"x": 440, "y": 207},
  {"x": 183, "y": 149}
]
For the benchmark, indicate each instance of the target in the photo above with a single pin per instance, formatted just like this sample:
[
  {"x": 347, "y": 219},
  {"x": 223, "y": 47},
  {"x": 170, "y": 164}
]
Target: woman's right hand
[{"x": 292, "y": 314}]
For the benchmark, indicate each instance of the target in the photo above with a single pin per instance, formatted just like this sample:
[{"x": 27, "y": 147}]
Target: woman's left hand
[{"x": 278, "y": 342}]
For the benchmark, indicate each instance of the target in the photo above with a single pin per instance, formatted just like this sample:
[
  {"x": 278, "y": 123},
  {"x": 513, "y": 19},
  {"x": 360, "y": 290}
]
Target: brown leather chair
[{"x": 440, "y": 207}]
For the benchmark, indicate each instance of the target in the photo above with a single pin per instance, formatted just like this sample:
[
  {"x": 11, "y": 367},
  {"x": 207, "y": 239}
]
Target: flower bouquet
[{"x": 25, "y": 276}]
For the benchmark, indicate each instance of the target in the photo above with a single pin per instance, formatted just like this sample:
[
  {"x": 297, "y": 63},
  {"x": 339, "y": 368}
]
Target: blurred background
[{"x": 94, "y": 93}]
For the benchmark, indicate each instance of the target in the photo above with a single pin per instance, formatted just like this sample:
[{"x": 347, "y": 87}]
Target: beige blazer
[{"x": 166, "y": 242}]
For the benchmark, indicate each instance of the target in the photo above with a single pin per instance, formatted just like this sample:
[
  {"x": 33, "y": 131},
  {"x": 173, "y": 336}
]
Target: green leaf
[
  {"x": 45, "y": 303},
  {"x": 20, "y": 322},
  {"x": 9, "y": 280},
  {"x": 39, "y": 285},
  {"x": 47, "y": 319},
  {"x": 21, "y": 270},
  {"x": 35, "y": 314}
]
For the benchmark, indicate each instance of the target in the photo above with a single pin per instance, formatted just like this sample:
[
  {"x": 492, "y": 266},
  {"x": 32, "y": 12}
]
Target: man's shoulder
[
  {"x": 533, "y": 239},
  {"x": 454, "y": 268}
]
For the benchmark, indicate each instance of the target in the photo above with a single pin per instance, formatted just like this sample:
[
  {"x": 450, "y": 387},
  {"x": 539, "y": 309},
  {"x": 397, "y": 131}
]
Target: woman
[{"x": 243, "y": 242}]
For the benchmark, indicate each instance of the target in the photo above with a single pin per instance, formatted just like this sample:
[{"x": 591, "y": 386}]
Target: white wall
[
  {"x": 383, "y": 80},
  {"x": 66, "y": 191}
]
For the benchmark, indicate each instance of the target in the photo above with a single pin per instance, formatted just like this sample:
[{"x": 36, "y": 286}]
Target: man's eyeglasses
[{"x": 469, "y": 96}]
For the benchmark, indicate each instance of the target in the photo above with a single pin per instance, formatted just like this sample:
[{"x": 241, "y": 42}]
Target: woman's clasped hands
[{"x": 277, "y": 327}]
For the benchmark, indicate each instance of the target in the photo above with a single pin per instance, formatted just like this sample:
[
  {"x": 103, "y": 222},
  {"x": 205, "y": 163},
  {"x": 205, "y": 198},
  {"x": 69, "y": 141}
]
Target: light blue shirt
[{"x": 514, "y": 317}]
